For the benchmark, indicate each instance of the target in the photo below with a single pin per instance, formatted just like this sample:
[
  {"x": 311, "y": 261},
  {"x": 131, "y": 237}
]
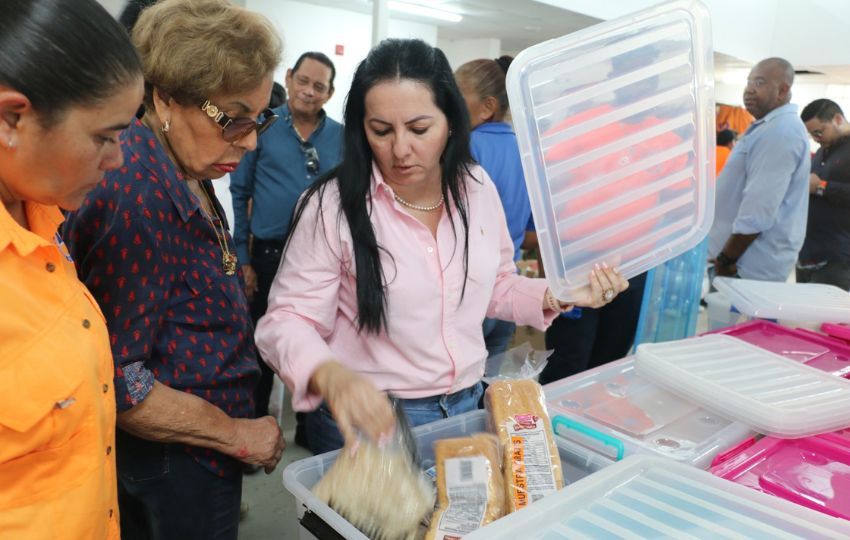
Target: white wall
[
  {"x": 305, "y": 27},
  {"x": 806, "y": 32},
  {"x": 460, "y": 51}
]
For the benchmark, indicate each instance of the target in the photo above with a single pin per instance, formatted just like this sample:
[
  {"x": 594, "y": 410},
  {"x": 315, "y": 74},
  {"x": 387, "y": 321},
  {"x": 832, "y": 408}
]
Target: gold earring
[
  {"x": 11, "y": 143},
  {"x": 166, "y": 126}
]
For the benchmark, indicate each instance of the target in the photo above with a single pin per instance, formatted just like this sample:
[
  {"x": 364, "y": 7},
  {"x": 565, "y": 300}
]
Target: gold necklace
[{"x": 228, "y": 259}]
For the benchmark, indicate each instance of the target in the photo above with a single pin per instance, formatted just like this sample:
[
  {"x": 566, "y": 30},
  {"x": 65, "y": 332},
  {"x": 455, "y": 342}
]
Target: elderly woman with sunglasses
[{"x": 152, "y": 245}]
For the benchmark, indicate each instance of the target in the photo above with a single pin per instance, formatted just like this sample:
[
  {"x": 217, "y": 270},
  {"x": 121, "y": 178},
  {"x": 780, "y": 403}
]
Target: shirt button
[
  {"x": 105, "y": 388},
  {"x": 50, "y": 267},
  {"x": 108, "y": 450},
  {"x": 430, "y": 249},
  {"x": 86, "y": 323},
  {"x": 110, "y": 512}
]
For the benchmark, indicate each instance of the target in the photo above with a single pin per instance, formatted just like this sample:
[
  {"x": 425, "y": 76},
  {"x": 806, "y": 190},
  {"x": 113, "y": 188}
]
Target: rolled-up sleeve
[
  {"x": 303, "y": 303},
  {"x": 770, "y": 168}
]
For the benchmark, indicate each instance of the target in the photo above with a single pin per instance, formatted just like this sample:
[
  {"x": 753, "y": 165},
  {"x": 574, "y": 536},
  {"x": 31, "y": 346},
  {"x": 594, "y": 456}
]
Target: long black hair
[
  {"x": 60, "y": 53},
  {"x": 392, "y": 59}
]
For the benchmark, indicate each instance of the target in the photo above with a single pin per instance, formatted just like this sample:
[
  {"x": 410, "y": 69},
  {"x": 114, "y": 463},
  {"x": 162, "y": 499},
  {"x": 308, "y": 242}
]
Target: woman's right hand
[{"x": 356, "y": 405}]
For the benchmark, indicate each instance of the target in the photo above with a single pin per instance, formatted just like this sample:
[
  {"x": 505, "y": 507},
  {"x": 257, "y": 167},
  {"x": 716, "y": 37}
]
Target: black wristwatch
[{"x": 724, "y": 260}]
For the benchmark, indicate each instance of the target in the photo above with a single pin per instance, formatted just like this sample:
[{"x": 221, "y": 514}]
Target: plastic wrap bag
[
  {"x": 381, "y": 491},
  {"x": 521, "y": 362},
  {"x": 470, "y": 485},
  {"x": 532, "y": 465}
]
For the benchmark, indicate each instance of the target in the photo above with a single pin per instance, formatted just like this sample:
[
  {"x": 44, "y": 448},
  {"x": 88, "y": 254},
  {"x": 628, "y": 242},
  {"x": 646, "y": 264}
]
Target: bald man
[{"x": 762, "y": 197}]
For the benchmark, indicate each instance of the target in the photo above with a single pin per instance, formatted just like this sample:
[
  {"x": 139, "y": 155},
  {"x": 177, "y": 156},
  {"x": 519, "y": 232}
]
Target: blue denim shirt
[
  {"x": 764, "y": 188},
  {"x": 275, "y": 175}
]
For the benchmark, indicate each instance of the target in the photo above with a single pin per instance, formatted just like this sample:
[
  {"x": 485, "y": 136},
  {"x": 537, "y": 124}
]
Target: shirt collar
[
  {"x": 286, "y": 114},
  {"x": 788, "y": 108},
  {"x": 43, "y": 220},
  {"x": 494, "y": 127},
  {"x": 158, "y": 162}
]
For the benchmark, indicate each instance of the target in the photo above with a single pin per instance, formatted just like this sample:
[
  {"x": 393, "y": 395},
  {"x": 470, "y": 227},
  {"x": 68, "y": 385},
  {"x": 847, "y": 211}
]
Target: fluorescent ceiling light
[{"x": 425, "y": 11}]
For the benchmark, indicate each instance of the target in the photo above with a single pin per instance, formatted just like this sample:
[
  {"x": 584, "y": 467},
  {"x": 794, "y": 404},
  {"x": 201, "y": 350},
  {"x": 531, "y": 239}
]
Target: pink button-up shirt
[{"x": 434, "y": 343}]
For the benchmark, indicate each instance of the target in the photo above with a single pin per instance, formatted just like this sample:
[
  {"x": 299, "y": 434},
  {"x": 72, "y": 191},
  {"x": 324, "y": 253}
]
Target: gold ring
[{"x": 608, "y": 295}]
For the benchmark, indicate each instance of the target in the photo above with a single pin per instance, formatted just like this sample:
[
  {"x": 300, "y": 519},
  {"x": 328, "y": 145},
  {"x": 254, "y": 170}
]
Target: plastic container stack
[
  {"x": 772, "y": 394},
  {"x": 318, "y": 520},
  {"x": 617, "y": 413}
]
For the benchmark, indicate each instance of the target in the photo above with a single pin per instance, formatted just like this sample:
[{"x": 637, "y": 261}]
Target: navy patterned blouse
[{"x": 153, "y": 261}]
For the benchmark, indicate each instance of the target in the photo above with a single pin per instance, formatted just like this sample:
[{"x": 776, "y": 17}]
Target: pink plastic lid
[
  {"x": 813, "y": 349},
  {"x": 813, "y": 472}
]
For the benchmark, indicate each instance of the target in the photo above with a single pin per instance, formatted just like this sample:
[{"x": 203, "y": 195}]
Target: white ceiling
[
  {"x": 517, "y": 23},
  {"x": 522, "y": 23}
]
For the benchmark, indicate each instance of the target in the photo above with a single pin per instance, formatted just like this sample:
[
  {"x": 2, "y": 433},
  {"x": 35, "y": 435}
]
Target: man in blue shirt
[
  {"x": 763, "y": 192},
  {"x": 296, "y": 150}
]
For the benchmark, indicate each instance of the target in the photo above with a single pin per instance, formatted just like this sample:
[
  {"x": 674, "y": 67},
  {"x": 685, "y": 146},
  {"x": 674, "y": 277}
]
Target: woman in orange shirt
[{"x": 63, "y": 100}]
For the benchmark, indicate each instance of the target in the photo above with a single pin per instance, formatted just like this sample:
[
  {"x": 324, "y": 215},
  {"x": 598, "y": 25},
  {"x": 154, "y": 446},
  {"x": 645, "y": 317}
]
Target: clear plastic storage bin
[
  {"x": 649, "y": 497},
  {"x": 617, "y": 413},
  {"x": 616, "y": 131},
  {"x": 800, "y": 302},
  {"x": 317, "y": 520},
  {"x": 770, "y": 393}
]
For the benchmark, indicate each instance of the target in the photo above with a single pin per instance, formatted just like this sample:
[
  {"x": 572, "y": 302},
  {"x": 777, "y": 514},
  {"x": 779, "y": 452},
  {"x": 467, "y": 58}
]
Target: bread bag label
[
  {"x": 531, "y": 461},
  {"x": 466, "y": 489}
]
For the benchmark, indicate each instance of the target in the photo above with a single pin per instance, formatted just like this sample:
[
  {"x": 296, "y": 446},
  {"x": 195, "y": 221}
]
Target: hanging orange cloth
[{"x": 734, "y": 118}]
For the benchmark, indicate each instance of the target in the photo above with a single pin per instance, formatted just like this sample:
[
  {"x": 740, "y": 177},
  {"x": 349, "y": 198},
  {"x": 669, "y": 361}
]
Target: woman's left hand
[{"x": 605, "y": 284}]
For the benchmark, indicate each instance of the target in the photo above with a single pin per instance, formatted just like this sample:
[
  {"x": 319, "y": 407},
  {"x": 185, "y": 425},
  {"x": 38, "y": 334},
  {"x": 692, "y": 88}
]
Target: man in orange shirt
[
  {"x": 62, "y": 103},
  {"x": 725, "y": 142}
]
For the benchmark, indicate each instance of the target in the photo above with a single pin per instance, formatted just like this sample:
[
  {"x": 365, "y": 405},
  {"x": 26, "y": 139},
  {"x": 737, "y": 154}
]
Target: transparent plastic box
[
  {"x": 650, "y": 497},
  {"x": 617, "y": 413},
  {"x": 808, "y": 302},
  {"x": 318, "y": 520},
  {"x": 770, "y": 393},
  {"x": 615, "y": 125}
]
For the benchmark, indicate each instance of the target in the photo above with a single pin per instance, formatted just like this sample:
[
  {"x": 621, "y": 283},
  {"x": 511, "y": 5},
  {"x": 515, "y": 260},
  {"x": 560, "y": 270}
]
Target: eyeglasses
[
  {"x": 816, "y": 134},
  {"x": 234, "y": 129},
  {"x": 311, "y": 157},
  {"x": 756, "y": 83}
]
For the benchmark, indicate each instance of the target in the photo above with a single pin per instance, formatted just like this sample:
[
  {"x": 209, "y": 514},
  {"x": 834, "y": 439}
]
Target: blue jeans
[
  {"x": 163, "y": 493},
  {"x": 323, "y": 435},
  {"x": 497, "y": 335}
]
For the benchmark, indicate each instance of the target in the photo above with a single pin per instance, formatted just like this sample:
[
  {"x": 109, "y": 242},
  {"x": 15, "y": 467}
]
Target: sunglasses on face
[
  {"x": 311, "y": 157},
  {"x": 234, "y": 129}
]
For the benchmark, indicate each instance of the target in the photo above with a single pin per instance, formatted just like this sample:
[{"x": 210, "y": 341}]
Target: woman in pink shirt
[{"x": 394, "y": 260}]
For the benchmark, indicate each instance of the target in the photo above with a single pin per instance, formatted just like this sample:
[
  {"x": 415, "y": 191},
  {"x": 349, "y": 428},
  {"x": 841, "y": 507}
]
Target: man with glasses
[
  {"x": 825, "y": 257},
  {"x": 762, "y": 193},
  {"x": 302, "y": 145}
]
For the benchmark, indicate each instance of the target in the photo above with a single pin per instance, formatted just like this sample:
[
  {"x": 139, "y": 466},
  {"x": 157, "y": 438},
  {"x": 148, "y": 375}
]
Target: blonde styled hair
[{"x": 194, "y": 49}]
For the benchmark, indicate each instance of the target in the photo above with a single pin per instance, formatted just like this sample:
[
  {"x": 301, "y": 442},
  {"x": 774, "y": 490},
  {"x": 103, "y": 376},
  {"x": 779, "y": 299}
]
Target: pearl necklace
[{"x": 419, "y": 207}]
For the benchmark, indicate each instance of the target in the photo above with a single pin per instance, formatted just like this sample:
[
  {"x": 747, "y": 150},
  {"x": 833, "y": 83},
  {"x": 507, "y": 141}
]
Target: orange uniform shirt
[
  {"x": 57, "y": 405},
  {"x": 722, "y": 155}
]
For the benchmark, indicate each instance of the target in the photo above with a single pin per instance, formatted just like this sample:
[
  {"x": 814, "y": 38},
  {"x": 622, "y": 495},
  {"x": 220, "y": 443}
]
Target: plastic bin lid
[
  {"x": 649, "y": 497},
  {"x": 772, "y": 394},
  {"x": 616, "y": 133},
  {"x": 813, "y": 471},
  {"x": 812, "y": 302}
]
